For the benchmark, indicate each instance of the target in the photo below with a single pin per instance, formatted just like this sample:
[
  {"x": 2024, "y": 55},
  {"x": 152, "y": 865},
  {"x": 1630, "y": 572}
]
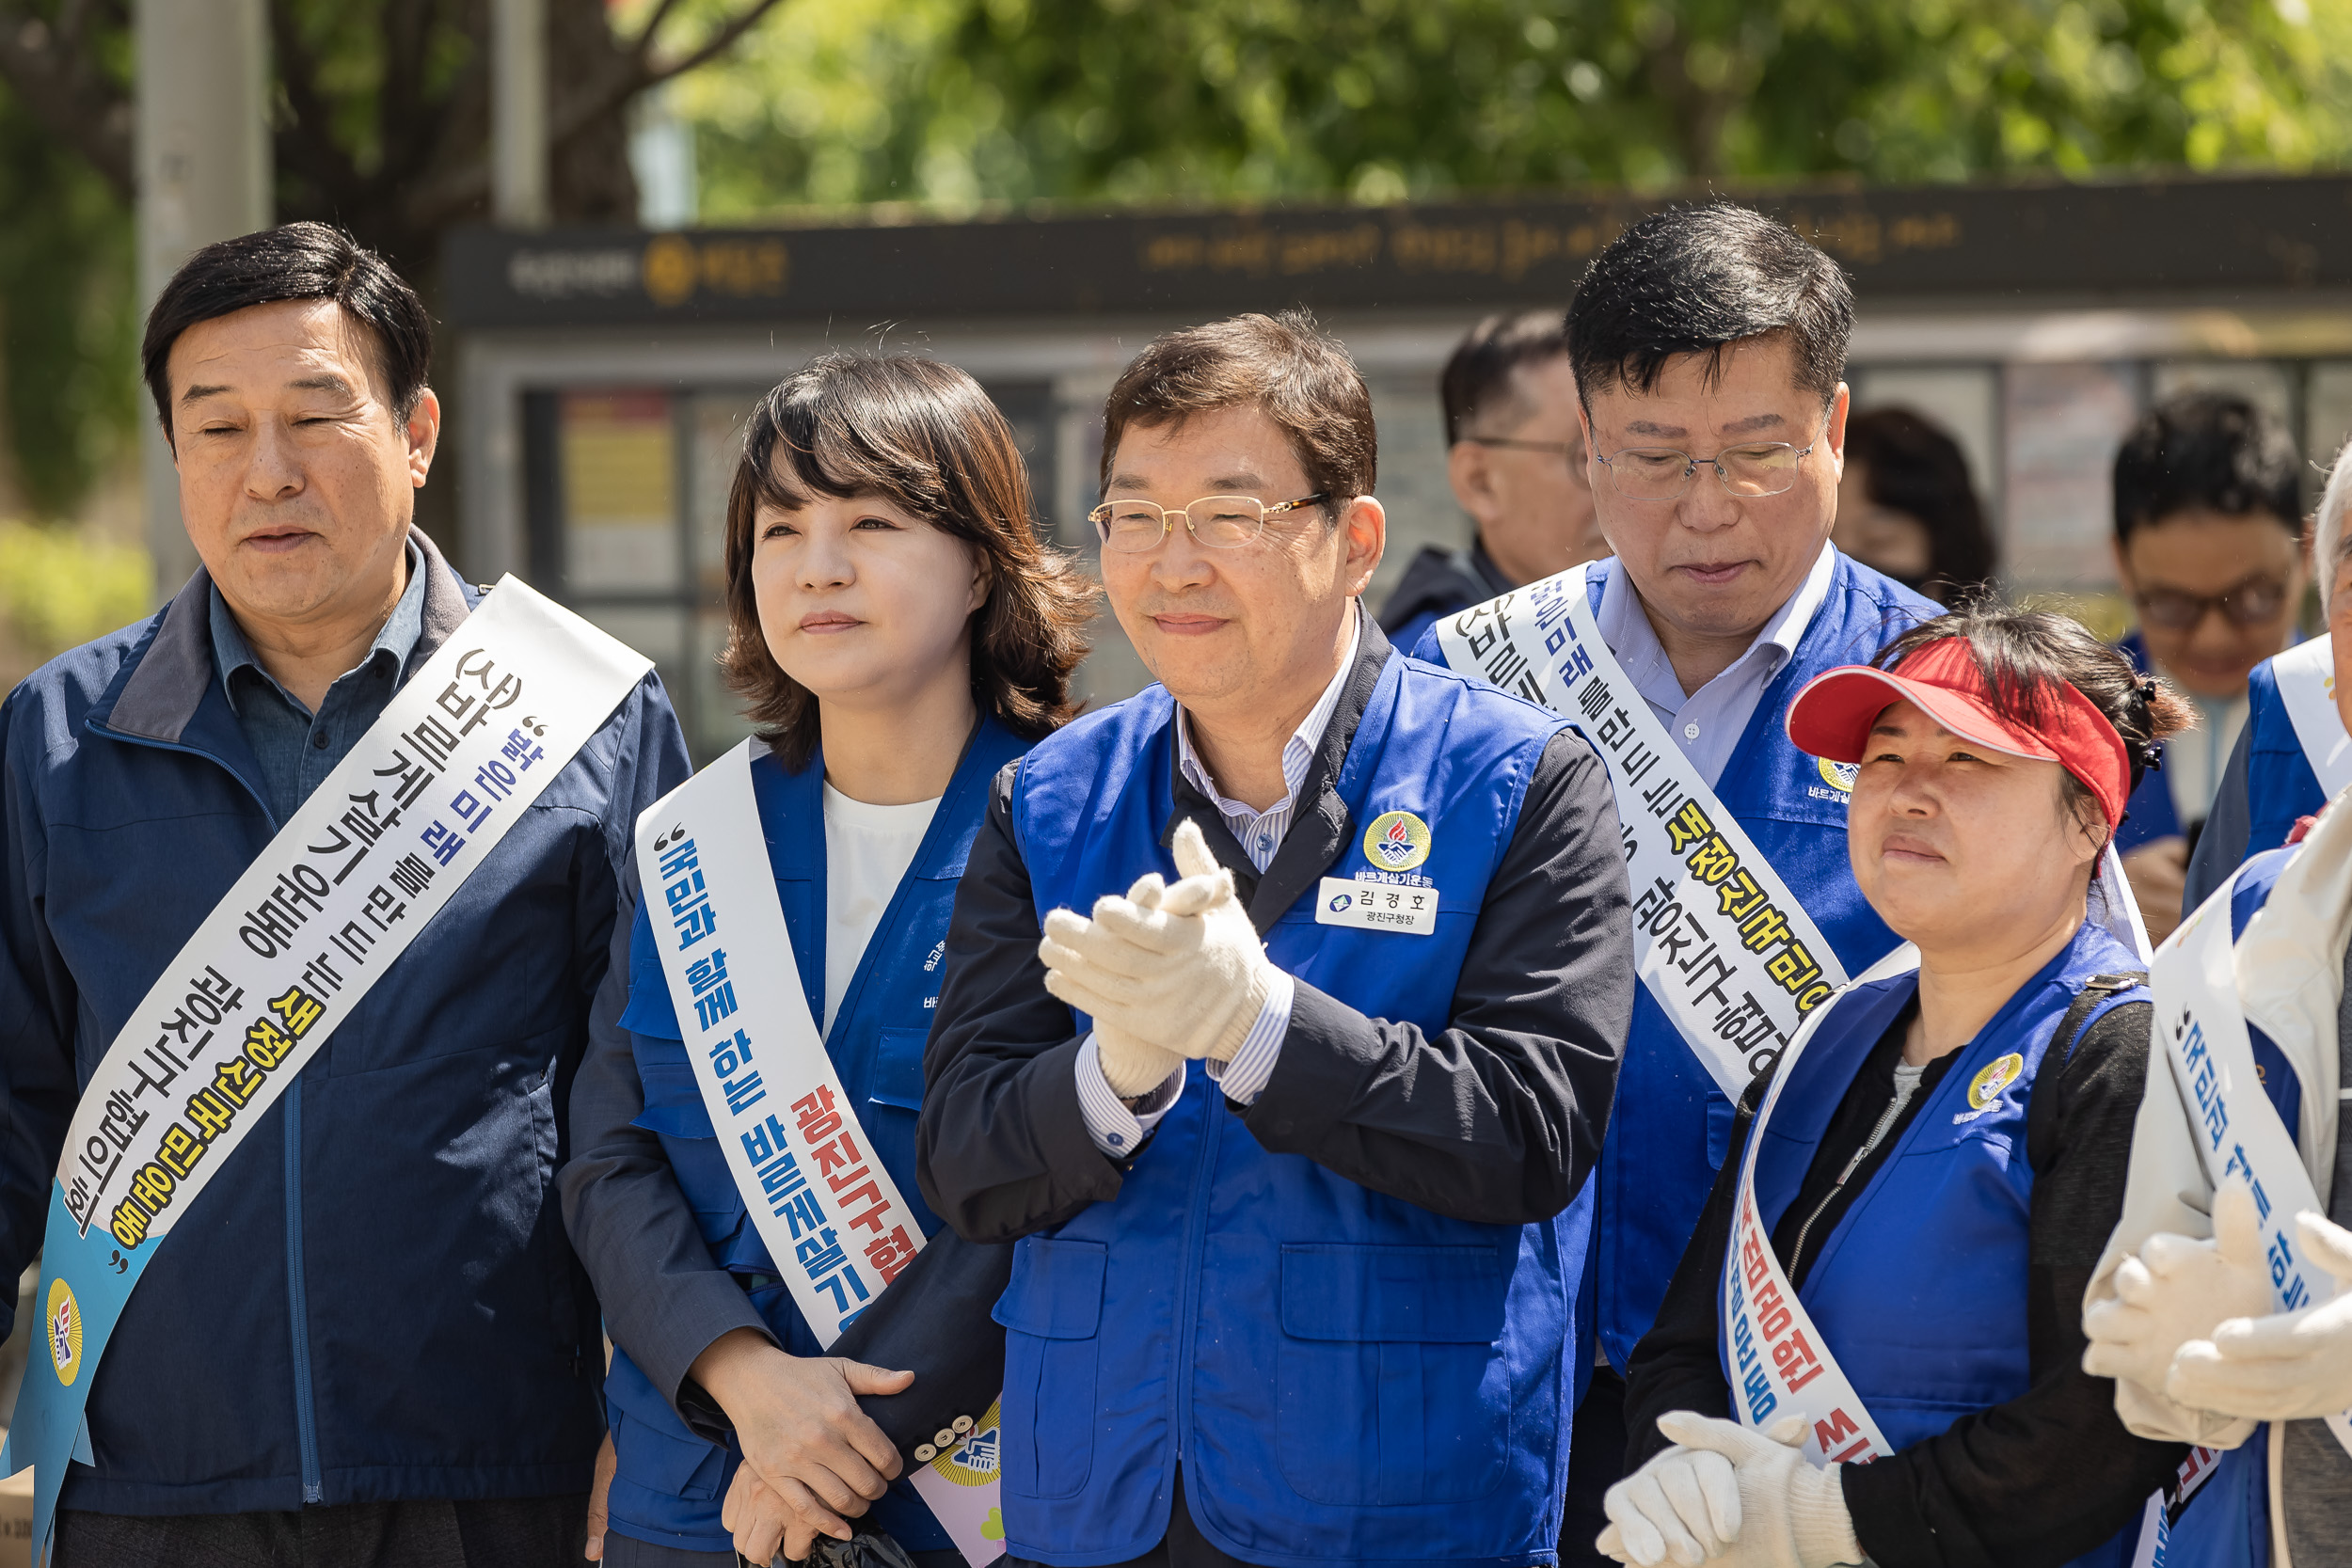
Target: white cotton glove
[
  {"x": 1186, "y": 973},
  {"x": 1684, "y": 1504},
  {"x": 2176, "y": 1290},
  {"x": 1133, "y": 1066},
  {"x": 2282, "y": 1366},
  {"x": 1791, "y": 1513}
]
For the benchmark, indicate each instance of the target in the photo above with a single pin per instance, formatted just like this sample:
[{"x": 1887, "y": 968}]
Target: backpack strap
[{"x": 2101, "y": 994}]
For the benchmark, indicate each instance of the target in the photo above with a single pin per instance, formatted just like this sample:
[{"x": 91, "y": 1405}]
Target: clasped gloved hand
[
  {"x": 2176, "y": 1290},
  {"x": 1778, "y": 1512},
  {"x": 2280, "y": 1366},
  {"x": 1177, "y": 967}
]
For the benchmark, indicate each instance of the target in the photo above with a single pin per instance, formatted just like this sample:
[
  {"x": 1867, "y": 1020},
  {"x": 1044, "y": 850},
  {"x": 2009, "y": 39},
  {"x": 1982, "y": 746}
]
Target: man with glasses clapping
[
  {"x": 1292, "y": 1108},
  {"x": 1709, "y": 351}
]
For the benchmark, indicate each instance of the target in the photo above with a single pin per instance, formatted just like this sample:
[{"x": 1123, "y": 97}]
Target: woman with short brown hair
[{"x": 900, "y": 635}]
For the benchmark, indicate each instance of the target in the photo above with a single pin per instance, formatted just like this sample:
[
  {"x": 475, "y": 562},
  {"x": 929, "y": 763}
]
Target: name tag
[{"x": 1378, "y": 907}]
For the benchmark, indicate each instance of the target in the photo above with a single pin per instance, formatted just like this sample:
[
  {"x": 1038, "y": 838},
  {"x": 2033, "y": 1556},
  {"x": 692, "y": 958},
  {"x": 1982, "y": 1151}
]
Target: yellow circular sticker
[
  {"x": 1993, "y": 1079},
  {"x": 973, "y": 1460},
  {"x": 65, "y": 1331},
  {"x": 1396, "y": 841},
  {"x": 1839, "y": 776}
]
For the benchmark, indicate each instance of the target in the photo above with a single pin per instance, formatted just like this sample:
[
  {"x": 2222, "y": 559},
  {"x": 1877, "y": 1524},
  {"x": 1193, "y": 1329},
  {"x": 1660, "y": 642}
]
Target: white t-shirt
[{"x": 867, "y": 850}]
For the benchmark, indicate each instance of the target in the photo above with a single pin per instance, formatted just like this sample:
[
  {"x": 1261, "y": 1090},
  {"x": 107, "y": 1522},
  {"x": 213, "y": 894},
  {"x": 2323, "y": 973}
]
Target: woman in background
[{"x": 1905, "y": 507}]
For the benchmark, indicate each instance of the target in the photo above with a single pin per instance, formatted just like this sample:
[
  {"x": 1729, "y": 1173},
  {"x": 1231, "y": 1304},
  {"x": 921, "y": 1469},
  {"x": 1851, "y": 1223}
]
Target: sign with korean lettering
[
  {"x": 2201, "y": 1027},
  {"x": 282, "y": 960},
  {"x": 824, "y": 1205},
  {"x": 1778, "y": 1362},
  {"x": 1726, "y": 948}
]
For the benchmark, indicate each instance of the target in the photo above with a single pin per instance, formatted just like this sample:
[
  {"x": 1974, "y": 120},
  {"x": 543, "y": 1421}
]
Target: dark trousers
[
  {"x": 1595, "y": 1463},
  {"x": 498, "y": 1533}
]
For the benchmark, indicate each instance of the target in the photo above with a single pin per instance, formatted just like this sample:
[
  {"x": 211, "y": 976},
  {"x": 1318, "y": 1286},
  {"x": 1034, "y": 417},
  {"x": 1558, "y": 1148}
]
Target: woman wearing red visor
[{"x": 1872, "y": 1344}]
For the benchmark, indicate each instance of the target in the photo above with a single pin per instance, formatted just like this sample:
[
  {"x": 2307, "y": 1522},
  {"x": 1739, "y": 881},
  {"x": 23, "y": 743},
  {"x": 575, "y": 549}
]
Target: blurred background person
[
  {"x": 2291, "y": 758},
  {"x": 1516, "y": 463},
  {"x": 2210, "y": 551},
  {"x": 1907, "y": 508}
]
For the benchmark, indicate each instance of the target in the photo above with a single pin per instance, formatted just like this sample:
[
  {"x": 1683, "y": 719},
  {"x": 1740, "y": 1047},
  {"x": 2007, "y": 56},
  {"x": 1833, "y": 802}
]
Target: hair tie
[
  {"x": 2151, "y": 757},
  {"x": 2148, "y": 693}
]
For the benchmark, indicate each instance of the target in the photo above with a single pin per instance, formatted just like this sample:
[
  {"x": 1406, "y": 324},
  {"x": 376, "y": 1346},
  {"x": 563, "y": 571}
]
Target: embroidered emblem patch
[
  {"x": 1998, "y": 1075},
  {"x": 1396, "y": 841}
]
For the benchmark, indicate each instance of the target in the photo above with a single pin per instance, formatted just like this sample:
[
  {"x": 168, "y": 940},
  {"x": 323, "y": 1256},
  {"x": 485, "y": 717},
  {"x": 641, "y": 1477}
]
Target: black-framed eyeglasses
[
  {"x": 1217, "y": 522},
  {"x": 1664, "y": 473},
  {"x": 2248, "y": 602}
]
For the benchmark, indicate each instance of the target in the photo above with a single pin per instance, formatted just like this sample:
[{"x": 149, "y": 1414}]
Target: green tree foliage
[
  {"x": 68, "y": 333},
  {"x": 58, "y": 589},
  {"x": 381, "y": 124},
  {"x": 959, "y": 102}
]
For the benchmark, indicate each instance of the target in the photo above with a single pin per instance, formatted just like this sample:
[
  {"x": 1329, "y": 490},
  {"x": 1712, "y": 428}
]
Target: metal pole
[
  {"x": 518, "y": 113},
  {"x": 204, "y": 175}
]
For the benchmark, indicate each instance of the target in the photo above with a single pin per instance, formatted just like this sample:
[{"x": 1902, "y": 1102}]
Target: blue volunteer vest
[
  {"x": 1672, "y": 1125},
  {"x": 1345, "y": 1376},
  {"x": 670, "y": 1483},
  {"x": 1921, "y": 1289},
  {"x": 2280, "y": 783}
]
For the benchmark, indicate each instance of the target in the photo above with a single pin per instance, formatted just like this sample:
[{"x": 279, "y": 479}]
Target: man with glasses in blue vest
[
  {"x": 1709, "y": 350},
  {"x": 1291, "y": 1108}
]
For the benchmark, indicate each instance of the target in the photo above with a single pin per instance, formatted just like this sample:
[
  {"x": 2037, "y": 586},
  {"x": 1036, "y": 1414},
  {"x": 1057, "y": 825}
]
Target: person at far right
[
  {"x": 2209, "y": 550},
  {"x": 1871, "y": 1349},
  {"x": 2225, "y": 1297}
]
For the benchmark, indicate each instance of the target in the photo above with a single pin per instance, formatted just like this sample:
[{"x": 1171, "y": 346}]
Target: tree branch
[
  {"x": 712, "y": 47},
  {"x": 643, "y": 46}
]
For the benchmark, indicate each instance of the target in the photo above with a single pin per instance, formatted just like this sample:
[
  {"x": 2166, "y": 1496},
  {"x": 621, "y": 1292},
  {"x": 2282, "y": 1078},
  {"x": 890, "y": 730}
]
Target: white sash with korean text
[
  {"x": 1727, "y": 950},
  {"x": 827, "y": 1210},
  {"x": 309, "y": 928},
  {"x": 2201, "y": 1027},
  {"x": 2306, "y": 674},
  {"x": 1780, "y": 1365}
]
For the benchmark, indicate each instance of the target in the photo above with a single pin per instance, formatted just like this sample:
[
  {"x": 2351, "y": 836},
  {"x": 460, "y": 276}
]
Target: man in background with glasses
[
  {"x": 1709, "y": 345},
  {"x": 1292, "y": 1108},
  {"x": 2210, "y": 551},
  {"x": 1515, "y": 455}
]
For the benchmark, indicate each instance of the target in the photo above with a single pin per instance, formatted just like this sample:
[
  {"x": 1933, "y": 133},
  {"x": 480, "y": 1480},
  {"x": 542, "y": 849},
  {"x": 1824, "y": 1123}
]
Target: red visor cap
[{"x": 1832, "y": 718}]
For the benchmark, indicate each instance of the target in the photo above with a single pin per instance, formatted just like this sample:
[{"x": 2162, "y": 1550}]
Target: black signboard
[{"x": 1974, "y": 244}]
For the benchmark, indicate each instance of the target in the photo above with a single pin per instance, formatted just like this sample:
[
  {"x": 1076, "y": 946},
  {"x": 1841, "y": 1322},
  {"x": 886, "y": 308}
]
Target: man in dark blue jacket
[
  {"x": 372, "y": 1346},
  {"x": 1295, "y": 1138}
]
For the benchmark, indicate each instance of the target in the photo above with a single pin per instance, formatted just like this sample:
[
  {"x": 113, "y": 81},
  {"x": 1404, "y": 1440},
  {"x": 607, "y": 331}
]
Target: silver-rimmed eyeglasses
[
  {"x": 1218, "y": 522},
  {"x": 1664, "y": 473}
]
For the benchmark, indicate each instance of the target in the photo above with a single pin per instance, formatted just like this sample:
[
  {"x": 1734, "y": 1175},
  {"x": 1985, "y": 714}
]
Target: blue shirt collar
[{"x": 396, "y": 640}]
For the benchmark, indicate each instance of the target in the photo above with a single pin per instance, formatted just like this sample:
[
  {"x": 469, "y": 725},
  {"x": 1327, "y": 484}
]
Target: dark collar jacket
[{"x": 375, "y": 1301}]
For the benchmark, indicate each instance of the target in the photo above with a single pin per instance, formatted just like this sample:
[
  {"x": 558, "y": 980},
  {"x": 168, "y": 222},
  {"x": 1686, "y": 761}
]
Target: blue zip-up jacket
[
  {"x": 672, "y": 1481},
  {"x": 1342, "y": 1309},
  {"x": 376, "y": 1301},
  {"x": 1673, "y": 1123}
]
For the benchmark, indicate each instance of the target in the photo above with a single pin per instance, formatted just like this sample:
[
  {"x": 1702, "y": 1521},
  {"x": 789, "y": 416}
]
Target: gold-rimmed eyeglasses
[
  {"x": 1664, "y": 473},
  {"x": 1217, "y": 522}
]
